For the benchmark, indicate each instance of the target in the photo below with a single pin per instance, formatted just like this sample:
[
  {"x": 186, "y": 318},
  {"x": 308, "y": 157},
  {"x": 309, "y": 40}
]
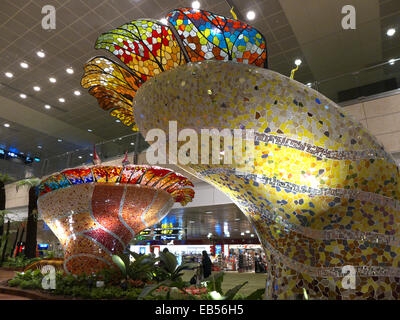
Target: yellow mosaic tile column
[{"x": 320, "y": 192}]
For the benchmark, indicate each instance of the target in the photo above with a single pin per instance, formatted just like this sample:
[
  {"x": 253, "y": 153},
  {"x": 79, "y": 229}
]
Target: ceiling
[
  {"x": 310, "y": 31},
  {"x": 222, "y": 222}
]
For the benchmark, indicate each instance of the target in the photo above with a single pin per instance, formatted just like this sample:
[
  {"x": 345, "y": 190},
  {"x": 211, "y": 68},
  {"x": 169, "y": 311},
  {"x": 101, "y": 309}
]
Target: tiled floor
[
  {"x": 10, "y": 297},
  {"x": 4, "y": 275}
]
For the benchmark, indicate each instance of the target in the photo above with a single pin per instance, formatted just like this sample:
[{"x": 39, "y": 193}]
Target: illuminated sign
[{"x": 14, "y": 154}]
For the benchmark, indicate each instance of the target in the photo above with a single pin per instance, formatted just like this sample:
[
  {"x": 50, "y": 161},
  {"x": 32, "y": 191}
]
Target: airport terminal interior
[{"x": 209, "y": 150}]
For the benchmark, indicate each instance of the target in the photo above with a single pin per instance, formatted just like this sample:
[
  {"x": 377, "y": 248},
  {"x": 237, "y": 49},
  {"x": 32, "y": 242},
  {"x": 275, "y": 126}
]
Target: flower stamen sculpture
[{"x": 321, "y": 193}]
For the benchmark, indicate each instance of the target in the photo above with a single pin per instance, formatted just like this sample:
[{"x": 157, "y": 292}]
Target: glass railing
[
  {"x": 369, "y": 81},
  {"x": 107, "y": 150}
]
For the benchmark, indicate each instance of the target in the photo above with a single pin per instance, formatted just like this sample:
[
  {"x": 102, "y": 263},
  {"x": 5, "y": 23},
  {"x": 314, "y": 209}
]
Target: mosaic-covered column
[
  {"x": 321, "y": 192},
  {"x": 96, "y": 211}
]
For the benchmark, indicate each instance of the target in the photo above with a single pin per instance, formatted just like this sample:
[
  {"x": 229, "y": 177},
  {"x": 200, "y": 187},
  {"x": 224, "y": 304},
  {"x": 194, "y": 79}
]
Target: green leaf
[
  {"x": 120, "y": 263},
  {"x": 30, "y": 182},
  {"x": 214, "y": 282},
  {"x": 187, "y": 266},
  {"x": 256, "y": 295},
  {"x": 149, "y": 289},
  {"x": 232, "y": 292},
  {"x": 169, "y": 261},
  {"x": 133, "y": 254}
]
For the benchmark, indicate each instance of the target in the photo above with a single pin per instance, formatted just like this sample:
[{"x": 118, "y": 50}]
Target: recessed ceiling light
[
  {"x": 242, "y": 233},
  {"x": 59, "y": 140},
  {"x": 90, "y": 130},
  {"x": 40, "y": 147},
  {"x": 251, "y": 15},
  {"x": 24, "y": 65},
  {"x": 132, "y": 143},
  {"x": 208, "y": 212},
  {"x": 390, "y": 32},
  {"x": 252, "y": 235},
  {"x": 7, "y": 125},
  {"x": 237, "y": 219},
  {"x": 309, "y": 84},
  {"x": 52, "y": 80},
  {"x": 22, "y": 95},
  {"x": 61, "y": 100},
  {"x": 41, "y": 54},
  {"x": 36, "y": 88},
  {"x": 77, "y": 93},
  {"x": 9, "y": 75},
  {"x": 191, "y": 221},
  {"x": 80, "y": 157},
  {"x": 247, "y": 231},
  {"x": 392, "y": 61},
  {"x": 91, "y": 154},
  {"x": 70, "y": 70},
  {"x": 164, "y": 21},
  {"x": 196, "y": 5},
  {"x": 297, "y": 62},
  {"x": 117, "y": 120}
]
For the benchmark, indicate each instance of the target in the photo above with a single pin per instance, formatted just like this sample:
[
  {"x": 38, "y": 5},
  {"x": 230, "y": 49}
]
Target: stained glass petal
[
  {"x": 145, "y": 46},
  {"x": 113, "y": 87},
  {"x": 206, "y": 35}
]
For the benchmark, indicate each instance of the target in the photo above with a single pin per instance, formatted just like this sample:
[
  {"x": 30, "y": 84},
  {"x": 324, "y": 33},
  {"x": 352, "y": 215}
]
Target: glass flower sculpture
[
  {"x": 96, "y": 211},
  {"x": 320, "y": 191}
]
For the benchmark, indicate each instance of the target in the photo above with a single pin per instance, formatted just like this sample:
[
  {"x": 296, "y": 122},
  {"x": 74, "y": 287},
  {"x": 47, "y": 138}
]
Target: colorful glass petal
[
  {"x": 113, "y": 87},
  {"x": 145, "y": 46},
  {"x": 177, "y": 185},
  {"x": 206, "y": 35}
]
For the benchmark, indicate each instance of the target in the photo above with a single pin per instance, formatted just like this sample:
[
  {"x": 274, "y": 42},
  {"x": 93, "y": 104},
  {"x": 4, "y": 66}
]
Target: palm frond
[
  {"x": 5, "y": 178},
  {"x": 30, "y": 182}
]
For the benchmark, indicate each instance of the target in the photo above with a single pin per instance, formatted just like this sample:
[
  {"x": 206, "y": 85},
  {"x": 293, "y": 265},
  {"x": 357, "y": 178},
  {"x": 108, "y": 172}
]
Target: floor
[
  {"x": 10, "y": 297},
  {"x": 4, "y": 275},
  {"x": 232, "y": 279}
]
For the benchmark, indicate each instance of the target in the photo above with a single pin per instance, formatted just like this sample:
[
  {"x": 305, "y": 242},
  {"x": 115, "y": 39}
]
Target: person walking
[
  {"x": 256, "y": 263},
  {"x": 206, "y": 265}
]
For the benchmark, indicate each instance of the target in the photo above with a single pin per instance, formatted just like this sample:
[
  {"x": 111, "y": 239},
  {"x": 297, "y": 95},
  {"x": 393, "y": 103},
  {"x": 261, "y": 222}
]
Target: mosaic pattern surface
[
  {"x": 148, "y": 47},
  {"x": 95, "y": 212},
  {"x": 206, "y": 35},
  {"x": 113, "y": 87},
  {"x": 319, "y": 190}
]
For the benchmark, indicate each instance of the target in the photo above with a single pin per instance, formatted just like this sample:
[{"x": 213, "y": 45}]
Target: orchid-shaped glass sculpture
[{"x": 320, "y": 191}]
